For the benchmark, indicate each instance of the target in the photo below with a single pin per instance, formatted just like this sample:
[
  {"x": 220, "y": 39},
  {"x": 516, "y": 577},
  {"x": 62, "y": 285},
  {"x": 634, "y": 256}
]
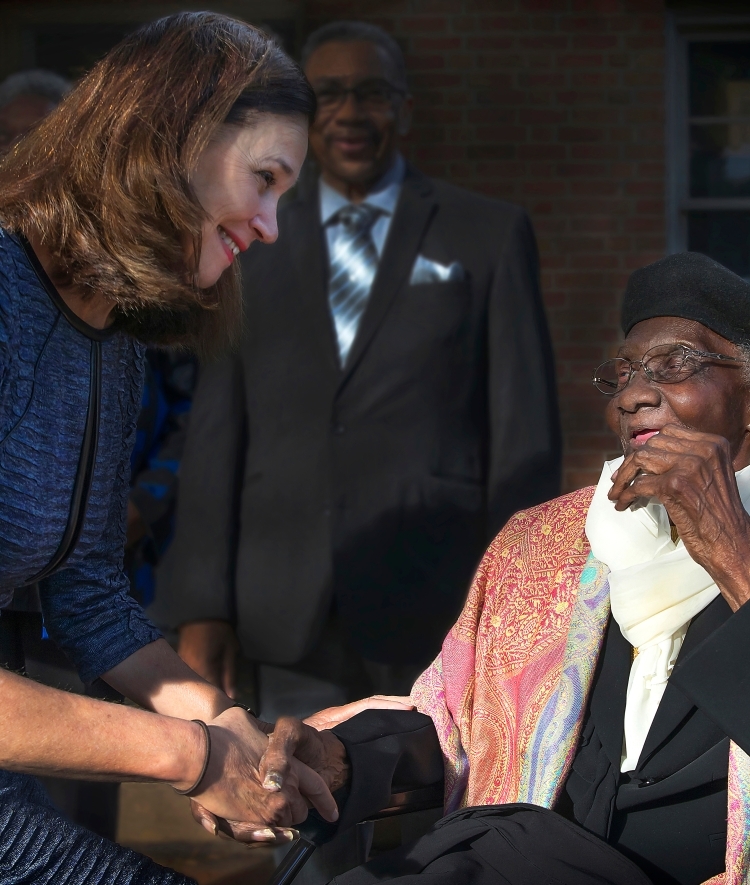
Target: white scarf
[{"x": 655, "y": 590}]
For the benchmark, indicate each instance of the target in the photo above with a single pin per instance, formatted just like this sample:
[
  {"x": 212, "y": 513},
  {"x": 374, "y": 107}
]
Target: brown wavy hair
[{"x": 104, "y": 180}]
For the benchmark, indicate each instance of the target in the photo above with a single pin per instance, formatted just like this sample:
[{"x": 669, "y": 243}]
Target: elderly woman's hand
[
  {"x": 692, "y": 475},
  {"x": 333, "y": 716},
  {"x": 233, "y": 797}
]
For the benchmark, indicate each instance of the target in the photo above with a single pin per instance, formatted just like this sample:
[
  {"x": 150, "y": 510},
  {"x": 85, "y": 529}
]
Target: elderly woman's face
[
  {"x": 238, "y": 181},
  {"x": 716, "y": 399}
]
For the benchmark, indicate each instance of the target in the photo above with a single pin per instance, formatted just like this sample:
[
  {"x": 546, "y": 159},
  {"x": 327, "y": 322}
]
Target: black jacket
[
  {"x": 669, "y": 815},
  {"x": 381, "y": 483}
]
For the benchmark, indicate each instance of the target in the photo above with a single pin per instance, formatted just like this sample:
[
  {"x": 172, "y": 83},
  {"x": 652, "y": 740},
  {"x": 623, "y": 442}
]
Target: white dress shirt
[{"x": 383, "y": 196}]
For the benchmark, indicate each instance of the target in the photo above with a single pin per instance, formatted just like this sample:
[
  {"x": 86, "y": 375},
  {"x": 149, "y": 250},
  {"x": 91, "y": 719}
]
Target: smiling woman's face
[
  {"x": 716, "y": 399},
  {"x": 238, "y": 181}
]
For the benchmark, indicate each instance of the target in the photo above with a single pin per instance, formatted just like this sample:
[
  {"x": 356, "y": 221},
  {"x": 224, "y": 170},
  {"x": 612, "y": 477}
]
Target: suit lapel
[
  {"x": 307, "y": 249},
  {"x": 609, "y": 693},
  {"x": 415, "y": 207},
  {"x": 675, "y": 706}
]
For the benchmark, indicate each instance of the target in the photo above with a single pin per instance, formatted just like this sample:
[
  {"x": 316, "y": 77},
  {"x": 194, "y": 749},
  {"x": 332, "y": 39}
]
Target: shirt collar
[{"x": 384, "y": 195}]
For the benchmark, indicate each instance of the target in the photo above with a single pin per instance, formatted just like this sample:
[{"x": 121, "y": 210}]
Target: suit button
[{"x": 339, "y": 429}]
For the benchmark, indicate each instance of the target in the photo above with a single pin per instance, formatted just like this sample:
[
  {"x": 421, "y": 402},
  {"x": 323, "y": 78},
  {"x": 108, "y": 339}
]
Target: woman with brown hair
[{"x": 120, "y": 218}]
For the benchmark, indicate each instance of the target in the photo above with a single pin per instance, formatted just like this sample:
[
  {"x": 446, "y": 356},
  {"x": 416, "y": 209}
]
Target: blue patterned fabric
[
  {"x": 40, "y": 846},
  {"x": 44, "y": 390}
]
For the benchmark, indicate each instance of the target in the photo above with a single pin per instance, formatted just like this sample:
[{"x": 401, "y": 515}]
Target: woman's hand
[
  {"x": 692, "y": 475},
  {"x": 236, "y": 796},
  {"x": 333, "y": 716}
]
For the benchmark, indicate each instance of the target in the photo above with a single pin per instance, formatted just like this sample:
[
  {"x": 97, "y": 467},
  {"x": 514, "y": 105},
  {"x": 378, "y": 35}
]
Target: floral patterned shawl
[{"x": 509, "y": 689}]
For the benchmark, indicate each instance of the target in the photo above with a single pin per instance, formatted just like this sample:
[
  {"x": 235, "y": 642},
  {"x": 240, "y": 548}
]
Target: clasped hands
[
  {"x": 691, "y": 473},
  {"x": 262, "y": 778}
]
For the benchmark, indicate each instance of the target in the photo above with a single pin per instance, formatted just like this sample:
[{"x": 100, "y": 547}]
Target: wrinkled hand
[
  {"x": 692, "y": 475},
  {"x": 210, "y": 649},
  {"x": 314, "y": 744},
  {"x": 333, "y": 716},
  {"x": 233, "y": 798},
  {"x": 322, "y": 751}
]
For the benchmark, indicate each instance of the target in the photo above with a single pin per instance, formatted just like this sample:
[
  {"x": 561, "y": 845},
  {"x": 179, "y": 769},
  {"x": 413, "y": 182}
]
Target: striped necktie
[{"x": 354, "y": 261}]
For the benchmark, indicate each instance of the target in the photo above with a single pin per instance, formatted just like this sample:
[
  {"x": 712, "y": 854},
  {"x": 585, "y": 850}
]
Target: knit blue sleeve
[
  {"x": 87, "y": 608},
  {"x": 8, "y": 316}
]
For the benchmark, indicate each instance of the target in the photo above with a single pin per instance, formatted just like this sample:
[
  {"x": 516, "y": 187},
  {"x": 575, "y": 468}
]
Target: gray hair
[
  {"x": 350, "y": 32},
  {"x": 46, "y": 84}
]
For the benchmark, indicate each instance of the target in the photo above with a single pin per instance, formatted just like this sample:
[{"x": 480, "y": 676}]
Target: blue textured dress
[{"x": 46, "y": 388}]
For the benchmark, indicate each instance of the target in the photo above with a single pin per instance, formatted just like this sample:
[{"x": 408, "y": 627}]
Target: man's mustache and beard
[{"x": 208, "y": 327}]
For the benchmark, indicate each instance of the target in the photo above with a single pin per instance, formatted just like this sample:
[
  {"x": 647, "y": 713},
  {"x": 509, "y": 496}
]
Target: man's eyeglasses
[
  {"x": 373, "y": 95},
  {"x": 665, "y": 364}
]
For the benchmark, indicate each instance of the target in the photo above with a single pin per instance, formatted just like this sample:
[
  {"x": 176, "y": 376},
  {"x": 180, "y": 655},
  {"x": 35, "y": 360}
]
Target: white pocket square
[{"x": 427, "y": 271}]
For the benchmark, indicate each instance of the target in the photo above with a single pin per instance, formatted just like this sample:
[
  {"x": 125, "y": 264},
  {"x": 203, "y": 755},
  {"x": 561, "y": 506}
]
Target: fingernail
[
  {"x": 335, "y": 814},
  {"x": 273, "y": 781},
  {"x": 289, "y": 833},
  {"x": 264, "y": 834},
  {"x": 210, "y": 826}
]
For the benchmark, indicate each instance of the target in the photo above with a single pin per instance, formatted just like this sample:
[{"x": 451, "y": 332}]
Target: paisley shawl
[{"x": 509, "y": 689}]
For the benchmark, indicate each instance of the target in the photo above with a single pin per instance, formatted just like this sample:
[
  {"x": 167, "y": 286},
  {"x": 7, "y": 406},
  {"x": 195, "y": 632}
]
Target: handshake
[{"x": 261, "y": 779}]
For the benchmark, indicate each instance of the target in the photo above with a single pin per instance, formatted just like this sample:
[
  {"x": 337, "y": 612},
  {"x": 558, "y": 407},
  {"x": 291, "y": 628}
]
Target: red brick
[
  {"x": 547, "y": 116},
  {"x": 423, "y": 24},
  {"x": 594, "y": 152},
  {"x": 546, "y": 42},
  {"x": 581, "y": 133},
  {"x": 579, "y": 60},
  {"x": 435, "y": 44},
  {"x": 534, "y": 78},
  {"x": 494, "y": 42},
  {"x": 426, "y": 62},
  {"x": 542, "y": 151},
  {"x": 548, "y": 188},
  {"x": 594, "y": 41},
  {"x": 611, "y": 7}
]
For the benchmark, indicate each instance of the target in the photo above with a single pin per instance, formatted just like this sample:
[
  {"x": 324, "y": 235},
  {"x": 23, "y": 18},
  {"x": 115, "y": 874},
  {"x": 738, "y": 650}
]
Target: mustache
[{"x": 355, "y": 131}]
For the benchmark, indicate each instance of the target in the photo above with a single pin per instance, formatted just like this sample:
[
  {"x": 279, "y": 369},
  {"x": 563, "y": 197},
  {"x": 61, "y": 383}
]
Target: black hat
[{"x": 692, "y": 286}]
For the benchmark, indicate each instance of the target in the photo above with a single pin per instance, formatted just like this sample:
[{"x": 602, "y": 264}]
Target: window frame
[{"x": 681, "y": 31}]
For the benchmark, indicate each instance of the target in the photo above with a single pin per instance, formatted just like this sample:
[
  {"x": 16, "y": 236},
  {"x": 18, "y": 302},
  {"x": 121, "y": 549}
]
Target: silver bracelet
[{"x": 195, "y": 786}]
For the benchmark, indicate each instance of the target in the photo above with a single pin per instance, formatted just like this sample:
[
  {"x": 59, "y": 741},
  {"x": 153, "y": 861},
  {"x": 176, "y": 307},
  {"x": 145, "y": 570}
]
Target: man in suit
[{"x": 392, "y": 406}]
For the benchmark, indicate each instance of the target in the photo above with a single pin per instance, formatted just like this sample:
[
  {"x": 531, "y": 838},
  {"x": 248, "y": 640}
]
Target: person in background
[
  {"x": 25, "y": 98},
  {"x": 393, "y": 404},
  {"x": 159, "y": 441}
]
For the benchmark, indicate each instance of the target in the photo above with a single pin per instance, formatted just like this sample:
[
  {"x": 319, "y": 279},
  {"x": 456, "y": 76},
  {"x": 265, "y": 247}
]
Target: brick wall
[{"x": 557, "y": 105}]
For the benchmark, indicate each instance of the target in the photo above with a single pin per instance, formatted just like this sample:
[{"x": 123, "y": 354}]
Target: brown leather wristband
[{"x": 207, "y": 733}]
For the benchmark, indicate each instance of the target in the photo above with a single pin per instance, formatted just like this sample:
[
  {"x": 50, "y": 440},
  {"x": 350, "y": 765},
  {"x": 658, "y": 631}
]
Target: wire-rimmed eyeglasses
[
  {"x": 374, "y": 94},
  {"x": 665, "y": 364}
]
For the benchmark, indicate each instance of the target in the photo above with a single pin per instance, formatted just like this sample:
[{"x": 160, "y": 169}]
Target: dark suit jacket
[
  {"x": 381, "y": 483},
  {"x": 669, "y": 815}
]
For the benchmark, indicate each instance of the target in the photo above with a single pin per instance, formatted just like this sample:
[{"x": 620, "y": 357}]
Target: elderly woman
[
  {"x": 592, "y": 697},
  {"x": 122, "y": 214}
]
